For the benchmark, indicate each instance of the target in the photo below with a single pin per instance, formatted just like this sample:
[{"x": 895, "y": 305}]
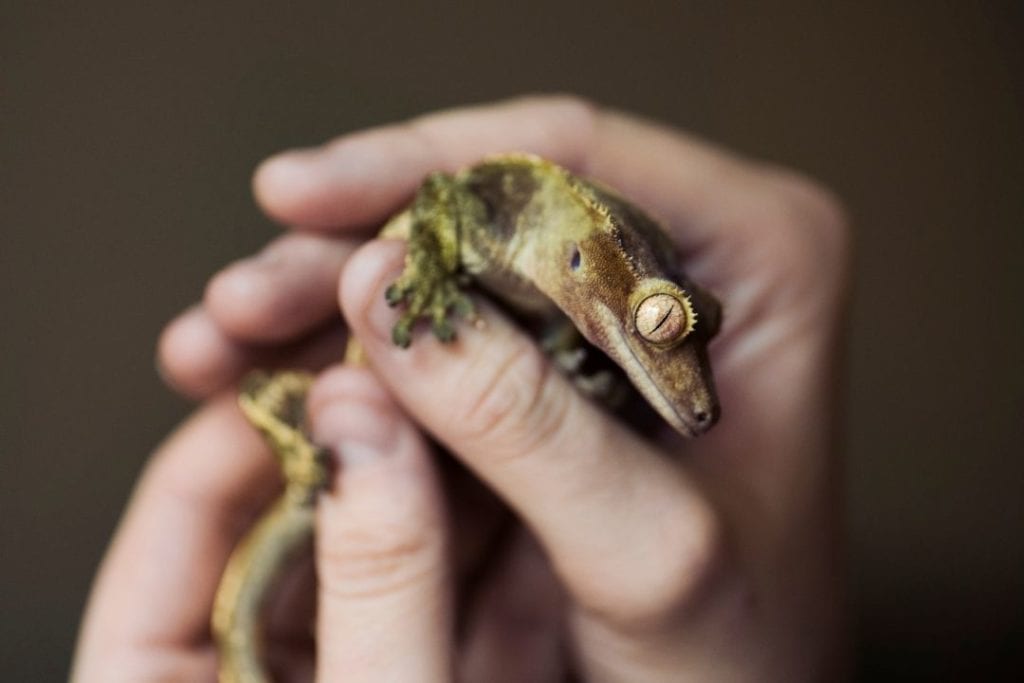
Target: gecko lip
[{"x": 683, "y": 423}]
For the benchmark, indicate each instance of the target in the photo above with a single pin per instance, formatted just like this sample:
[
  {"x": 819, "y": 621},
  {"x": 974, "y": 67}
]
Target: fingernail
[{"x": 358, "y": 432}]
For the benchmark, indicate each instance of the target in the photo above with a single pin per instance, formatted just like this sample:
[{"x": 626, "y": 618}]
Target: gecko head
[
  {"x": 655, "y": 329},
  {"x": 660, "y": 339},
  {"x": 614, "y": 272}
]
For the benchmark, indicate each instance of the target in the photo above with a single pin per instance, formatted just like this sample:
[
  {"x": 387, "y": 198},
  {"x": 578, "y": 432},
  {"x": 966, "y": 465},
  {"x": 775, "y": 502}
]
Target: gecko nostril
[{"x": 702, "y": 417}]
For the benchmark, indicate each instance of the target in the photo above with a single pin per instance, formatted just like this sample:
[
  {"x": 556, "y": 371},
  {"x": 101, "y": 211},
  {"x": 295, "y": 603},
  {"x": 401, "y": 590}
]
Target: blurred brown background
[{"x": 128, "y": 131}]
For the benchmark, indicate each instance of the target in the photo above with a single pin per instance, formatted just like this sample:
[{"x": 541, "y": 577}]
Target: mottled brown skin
[{"x": 549, "y": 244}]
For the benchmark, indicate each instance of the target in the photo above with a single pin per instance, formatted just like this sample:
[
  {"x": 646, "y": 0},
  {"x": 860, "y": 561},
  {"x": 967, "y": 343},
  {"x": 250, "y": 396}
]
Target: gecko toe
[
  {"x": 443, "y": 330},
  {"x": 401, "y": 333},
  {"x": 394, "y": 295}
]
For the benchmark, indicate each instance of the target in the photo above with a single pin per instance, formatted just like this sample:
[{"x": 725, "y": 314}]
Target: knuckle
[
  {"x": 694, "y": 556},
  {"x": 355, "y": 563},
  {"x": 812, "y": 209},
  {"x": 517, "y": 404},
  {"x": 809, "y": 261},
  {"x": 689, "y": 557}
]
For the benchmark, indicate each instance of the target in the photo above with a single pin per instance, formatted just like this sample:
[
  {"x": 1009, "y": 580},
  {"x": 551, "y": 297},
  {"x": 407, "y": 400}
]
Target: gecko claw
[
  {"x": 437, "y": 299},
  {"x": 463, "y": 306},
  {"x": 401, "y": 333},
  {"x": 394, "y": 295},
  {"x": 443, "y": 329}
]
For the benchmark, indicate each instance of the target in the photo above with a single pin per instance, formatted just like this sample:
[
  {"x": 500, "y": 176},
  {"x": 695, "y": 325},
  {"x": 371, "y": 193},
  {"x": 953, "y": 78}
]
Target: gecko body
[
  {"x": 563, "y": 253},
  {"x": 553, "y": 246}
]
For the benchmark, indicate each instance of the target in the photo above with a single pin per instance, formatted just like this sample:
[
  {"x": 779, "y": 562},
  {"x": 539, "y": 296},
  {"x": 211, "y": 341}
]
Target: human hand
[{"x": 713, "y": 559}]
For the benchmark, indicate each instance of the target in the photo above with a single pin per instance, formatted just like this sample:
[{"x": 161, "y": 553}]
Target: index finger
[
  {"x": 361, "y": 178},
  {"x": 629, "y": 530}
]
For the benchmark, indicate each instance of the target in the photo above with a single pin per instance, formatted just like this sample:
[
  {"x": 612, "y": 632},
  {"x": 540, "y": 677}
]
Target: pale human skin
[{"x": 718, "y": 559}]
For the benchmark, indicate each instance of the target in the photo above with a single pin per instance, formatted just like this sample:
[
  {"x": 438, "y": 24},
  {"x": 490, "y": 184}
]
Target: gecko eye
[
  {"x": 663, "y": 318},
  {"x": 574, "y": 258}
]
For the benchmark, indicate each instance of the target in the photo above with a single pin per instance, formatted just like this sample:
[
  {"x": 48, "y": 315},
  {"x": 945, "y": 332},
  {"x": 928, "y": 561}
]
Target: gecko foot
[{"x": 437, "y": 299}]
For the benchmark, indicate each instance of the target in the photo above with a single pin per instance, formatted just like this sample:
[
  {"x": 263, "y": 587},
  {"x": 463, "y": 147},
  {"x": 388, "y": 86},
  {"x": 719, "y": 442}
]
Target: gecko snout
[{"x": 704, "y": 417}]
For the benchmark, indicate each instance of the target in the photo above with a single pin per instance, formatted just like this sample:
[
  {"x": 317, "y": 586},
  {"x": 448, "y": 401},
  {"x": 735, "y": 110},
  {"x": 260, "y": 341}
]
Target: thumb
[{"x": 384, "y": 578}]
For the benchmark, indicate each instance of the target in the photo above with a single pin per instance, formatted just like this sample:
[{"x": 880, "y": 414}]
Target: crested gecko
[{"x": 565, "y": 254}]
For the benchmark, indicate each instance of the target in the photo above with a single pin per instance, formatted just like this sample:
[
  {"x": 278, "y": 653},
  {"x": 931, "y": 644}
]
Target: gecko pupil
[{"x": 574, "y": 260}]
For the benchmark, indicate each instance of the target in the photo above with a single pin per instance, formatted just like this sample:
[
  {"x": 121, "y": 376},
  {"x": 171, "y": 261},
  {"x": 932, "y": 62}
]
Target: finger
[
  {"x": 282, "y": 293},
  {"x": 359, "y": 179},
  {"x": 197, "y": 358},
  {"x": 385, "y": 609},
  {"x": 515, "y": 630},
  {"x": 627, "y": 529},
  {"x": 725, "y": 211},
  {"x": 150, "y": 607},
  {"x": 704, "y": 194}
]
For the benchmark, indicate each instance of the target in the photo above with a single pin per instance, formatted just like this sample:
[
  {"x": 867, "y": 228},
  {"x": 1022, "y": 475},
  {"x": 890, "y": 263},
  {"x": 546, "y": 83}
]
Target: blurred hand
[{"x": 716, "y": 559}]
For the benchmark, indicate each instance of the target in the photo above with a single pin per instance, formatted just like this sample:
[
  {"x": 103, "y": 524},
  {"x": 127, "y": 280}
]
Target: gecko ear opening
[{"x": 574, "y": 257}]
